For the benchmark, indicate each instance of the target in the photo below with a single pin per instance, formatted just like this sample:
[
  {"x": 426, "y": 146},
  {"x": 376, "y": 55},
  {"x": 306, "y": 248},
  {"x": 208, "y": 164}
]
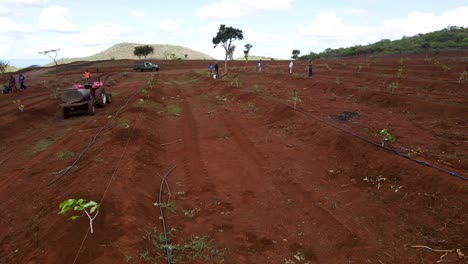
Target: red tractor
[{"x": 85, "y": 98}]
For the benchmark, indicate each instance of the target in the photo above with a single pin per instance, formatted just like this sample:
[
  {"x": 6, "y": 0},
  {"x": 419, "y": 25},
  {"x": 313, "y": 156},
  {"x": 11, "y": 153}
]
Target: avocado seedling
[
  {"x": 386, "y": 136},
  {"x": 295, "y": 98},
  {"x": 80, "y": 205},
  {"x": 19, "y": 105}
]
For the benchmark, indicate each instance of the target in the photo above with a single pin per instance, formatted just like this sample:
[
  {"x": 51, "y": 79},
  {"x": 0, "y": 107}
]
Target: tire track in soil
[{"x": 194, "y": 165}]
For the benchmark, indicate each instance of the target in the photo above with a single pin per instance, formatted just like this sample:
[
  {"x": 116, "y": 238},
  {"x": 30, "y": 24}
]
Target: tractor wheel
[
  {"x": 91, "y": 107},
  {"x": 109, "y": 98},
  {"x": 66, "y": 112},
  {"x": 101, "y": 97}
]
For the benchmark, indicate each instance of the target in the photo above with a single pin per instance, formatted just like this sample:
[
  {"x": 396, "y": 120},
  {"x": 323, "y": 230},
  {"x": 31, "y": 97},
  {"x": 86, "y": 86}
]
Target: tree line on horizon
[{"x": 445, "y": 39}]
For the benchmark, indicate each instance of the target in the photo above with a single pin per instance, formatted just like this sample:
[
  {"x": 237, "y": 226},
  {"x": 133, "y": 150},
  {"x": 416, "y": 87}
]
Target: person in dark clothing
[
  {"x": 310, "y": 68},
  {"x": 12, "y": 83},
  {"x": 21, "y": 81},
  {"x": 216, "y": 70}
]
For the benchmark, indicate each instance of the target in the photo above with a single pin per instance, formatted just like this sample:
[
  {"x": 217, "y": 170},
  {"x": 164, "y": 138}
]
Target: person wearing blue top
[
  {"x": 21, "y": 81},
  {"x": 210, "y": 67}
]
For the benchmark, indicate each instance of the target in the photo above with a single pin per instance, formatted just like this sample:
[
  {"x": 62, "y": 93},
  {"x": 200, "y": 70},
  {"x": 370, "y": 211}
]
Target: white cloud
[
  {"x": 55, "y": 19},
  {"x": 355, "y": 11},
  {"x": 168, "y": 25},
  {"x": 4, "y": 10},
  {"x": 24, "y": 3},
  {"x": 238, "y": 8},
  {"x": 137, "y": 13},
  {"x": 329, "y": 31},
  {"x": 8, "y": 26}
]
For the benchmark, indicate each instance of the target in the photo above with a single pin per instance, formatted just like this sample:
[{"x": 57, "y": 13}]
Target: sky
[{"x": 273, "y": 27}]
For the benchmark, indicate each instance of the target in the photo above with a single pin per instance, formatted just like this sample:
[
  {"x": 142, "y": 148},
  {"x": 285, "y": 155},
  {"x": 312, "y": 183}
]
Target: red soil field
[{"x": 256, "y": 181}]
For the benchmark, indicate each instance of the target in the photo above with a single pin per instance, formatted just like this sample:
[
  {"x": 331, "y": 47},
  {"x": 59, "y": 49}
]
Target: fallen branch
[{"x": 445, "y": 251}]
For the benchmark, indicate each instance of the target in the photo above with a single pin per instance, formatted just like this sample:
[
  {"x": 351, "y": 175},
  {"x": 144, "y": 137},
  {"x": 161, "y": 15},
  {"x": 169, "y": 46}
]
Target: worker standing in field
[
  {"x": 216, "y": 70},
  {"x": 210, "y": 67},
  {"x": 291, "y": 64},
  {"x": 310, "y": 68},
  {"x": 87, "y": 75},
  {"x": 21, "y": 81},
  {"x": 12, "y": 83},
  {"x": 260, "y": 65}
]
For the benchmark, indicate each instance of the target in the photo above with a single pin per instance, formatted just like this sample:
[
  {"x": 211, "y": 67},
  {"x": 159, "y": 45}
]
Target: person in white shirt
[{"x": 291, "y": 67}]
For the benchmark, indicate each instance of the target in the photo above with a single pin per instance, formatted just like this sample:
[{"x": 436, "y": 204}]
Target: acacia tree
[
  {"x": 49, "y": 52},
  {"x": 246, "y": 51},
  {"x": 295, "y": 54},
  {"x": 225, "y": 37},
  {"x": 231, "y": 52},
  {"x": 143, "y": 51}
]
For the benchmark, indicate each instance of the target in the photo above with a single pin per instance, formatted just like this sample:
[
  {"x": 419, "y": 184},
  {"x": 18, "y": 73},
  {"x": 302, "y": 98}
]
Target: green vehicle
[{"x": 147, "y": 66}]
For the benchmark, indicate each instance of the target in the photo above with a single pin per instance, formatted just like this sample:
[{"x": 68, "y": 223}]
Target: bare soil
[{"x": 259, "y": 181}]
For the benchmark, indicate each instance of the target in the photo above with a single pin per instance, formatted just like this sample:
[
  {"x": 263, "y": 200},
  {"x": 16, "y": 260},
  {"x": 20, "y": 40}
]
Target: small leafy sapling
[
  {"x": 386, "y": 136},
  {"x": 463, "y": 76},
  {"x": 295, "y": 97},
  {"x": 394, "y": 85},
  {"x": 19, "y": 104},
  {"x": 337, "y": 80},
  {"x": 445, "y": 68},
  {"x": 80, "y": 205},
  {"x": 400, "y": 71},
  {"x": 359, "y": 68}
]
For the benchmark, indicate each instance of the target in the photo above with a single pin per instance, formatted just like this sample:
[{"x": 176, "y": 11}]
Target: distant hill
[
  {"x": 12, "y": 69},
  {"x": 125, "y": 51},
  {"x": 256, "y": 58},
  {"x": 445, "y": 39}
]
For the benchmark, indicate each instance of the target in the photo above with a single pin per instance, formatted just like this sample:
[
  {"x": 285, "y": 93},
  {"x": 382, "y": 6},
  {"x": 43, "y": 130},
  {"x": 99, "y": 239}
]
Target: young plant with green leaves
[
  {"x": 392, "y": 86},
  {"x": 80, "y": 205},
  {"x": 400, "y": 71},
  {"x": 19, "y": 105},
  {"x": 295, "y": 97},
  {"x": 359, "y": 69},
  {"x": 463, "y": 76},
  {"x": 385, "y": 136}
]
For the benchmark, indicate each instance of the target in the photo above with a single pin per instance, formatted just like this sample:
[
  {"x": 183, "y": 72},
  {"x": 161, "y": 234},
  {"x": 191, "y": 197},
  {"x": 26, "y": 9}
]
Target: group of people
[
  {"x": 12, "y": 84},
  {"x": 260, "y": 64},
  {"x": 215, "y": 68},
  {"x": 309, "y": 67}
]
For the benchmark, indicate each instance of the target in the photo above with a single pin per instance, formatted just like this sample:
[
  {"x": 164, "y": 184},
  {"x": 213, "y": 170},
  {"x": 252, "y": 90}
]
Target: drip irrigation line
[
  {"x": 93, "y": 141},
  {"x": 394, "y": 151},
  {"x": 162, "y": 214},
  {"x": 107, "y": 188},
  {"x": 451, "y": 173}
]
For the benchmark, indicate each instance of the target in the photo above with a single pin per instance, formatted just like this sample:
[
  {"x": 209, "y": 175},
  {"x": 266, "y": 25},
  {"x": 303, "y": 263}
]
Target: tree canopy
[
  {"x": 447, "y": 38},
  {"x": 143, "y": 51},
  {"x": 295, "y": 54},
  {"x": 247, "y": 51},
  {"x": 225, "y": 37}
]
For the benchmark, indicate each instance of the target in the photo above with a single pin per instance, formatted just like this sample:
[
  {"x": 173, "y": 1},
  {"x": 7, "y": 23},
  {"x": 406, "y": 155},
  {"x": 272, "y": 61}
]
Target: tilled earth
[{"x": 255, "y": 180}]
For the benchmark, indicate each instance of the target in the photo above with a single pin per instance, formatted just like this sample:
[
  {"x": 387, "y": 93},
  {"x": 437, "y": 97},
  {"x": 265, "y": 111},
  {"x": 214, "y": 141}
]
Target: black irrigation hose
[
  {"x": 94, "y": 139},
  {"x": 451, "y": 173},
  {"x": 168, "y": 254}
]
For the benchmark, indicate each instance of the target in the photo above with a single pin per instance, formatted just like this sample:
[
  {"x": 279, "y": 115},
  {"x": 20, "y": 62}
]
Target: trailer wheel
[
  {"x": 101, "y": 97},
  {"x": 91, "y": 107},
  {"x": 109, "y": 98},
  {"x": 66, "y": 112}
]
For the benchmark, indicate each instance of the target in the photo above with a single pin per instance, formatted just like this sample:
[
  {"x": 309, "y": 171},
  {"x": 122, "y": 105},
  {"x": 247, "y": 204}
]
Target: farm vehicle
[
  {"x": 84, "y": 98},
  {"x": 147, "y": 66}
]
